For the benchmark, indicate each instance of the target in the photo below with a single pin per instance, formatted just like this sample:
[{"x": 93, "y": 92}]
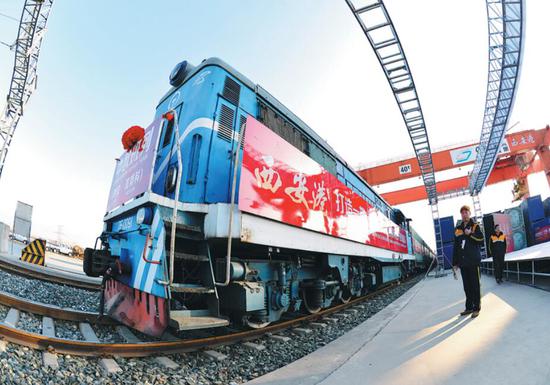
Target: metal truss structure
[
  {"x": 506, "y": 20},
  {"x": 32, "y": 27},
  {"x": 376, "y": 23}
]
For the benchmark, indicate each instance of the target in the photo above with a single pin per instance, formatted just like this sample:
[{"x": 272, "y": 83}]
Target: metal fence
[{"x": 534, "y": 272}]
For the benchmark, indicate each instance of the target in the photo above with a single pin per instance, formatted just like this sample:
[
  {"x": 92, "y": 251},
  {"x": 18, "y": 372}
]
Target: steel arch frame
[
  {"x": 32, "y": 27},
  {"x": 506, "y": 24},
  {"x": 378, "y": 27}
]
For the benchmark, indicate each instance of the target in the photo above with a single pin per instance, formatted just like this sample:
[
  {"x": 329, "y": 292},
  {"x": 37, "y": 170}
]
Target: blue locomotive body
[{"x": 164, "y": 254}]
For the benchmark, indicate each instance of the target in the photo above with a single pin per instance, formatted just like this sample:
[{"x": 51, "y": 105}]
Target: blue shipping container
[
  {"x": 533, "y": 210},
  {"x": 532, "y": 230},
  {"x": 448, "y": 252},
  {"x": 447, "y": 229},
  {"x": 546, "y": 204},
  {"x": 541, "y": 231}
]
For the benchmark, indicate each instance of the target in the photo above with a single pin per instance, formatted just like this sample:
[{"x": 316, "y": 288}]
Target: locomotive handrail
[
  {"x": 176, "y": 193},
  {"x": 144, "y": 253},
  {"x": 231, "y": 208}
]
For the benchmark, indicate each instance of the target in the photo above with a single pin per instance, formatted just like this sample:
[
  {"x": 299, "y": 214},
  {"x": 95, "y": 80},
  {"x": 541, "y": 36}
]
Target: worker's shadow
[{"x": 438, "y": 335}]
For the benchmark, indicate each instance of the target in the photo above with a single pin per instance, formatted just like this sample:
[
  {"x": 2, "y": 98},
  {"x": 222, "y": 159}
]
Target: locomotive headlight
[{"x": 144, "y": 216}]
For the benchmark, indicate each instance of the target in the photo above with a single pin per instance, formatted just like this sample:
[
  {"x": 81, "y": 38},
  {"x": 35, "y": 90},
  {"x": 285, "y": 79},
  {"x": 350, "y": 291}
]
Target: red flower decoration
[
  {"x": 132, "y": 136},
  {"x": 168, "y": 116}
]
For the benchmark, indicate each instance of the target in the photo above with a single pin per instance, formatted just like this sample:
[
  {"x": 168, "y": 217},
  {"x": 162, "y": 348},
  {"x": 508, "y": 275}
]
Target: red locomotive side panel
[{"x": 280, "y": 182}]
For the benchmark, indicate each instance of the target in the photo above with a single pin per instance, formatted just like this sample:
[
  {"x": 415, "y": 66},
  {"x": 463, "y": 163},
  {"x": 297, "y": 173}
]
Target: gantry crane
[{"x": 32, "y": 27}]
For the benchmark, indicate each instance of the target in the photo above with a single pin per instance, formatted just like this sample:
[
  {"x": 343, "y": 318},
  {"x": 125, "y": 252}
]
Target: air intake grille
[
  {"x": 225, "y": 123},
  {"x": 231, "y": 90},
  {"x": 242, "y": 121}
]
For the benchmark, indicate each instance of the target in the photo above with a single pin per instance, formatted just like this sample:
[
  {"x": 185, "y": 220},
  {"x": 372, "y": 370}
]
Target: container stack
[
  {"x": 517, "y": 223},
  {"x": 546, "y": 204},
  {"x": 534, "y": 218},
  {"x": 489, "y": 222},
  {"x": 447, "y": 239}
]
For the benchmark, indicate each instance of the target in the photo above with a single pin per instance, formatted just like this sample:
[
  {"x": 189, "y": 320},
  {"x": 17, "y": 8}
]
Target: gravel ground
[
  {"x": 68, "y": 330},
  {"x": 49, "y": 293},
  {"x": 30, "y": 322},
  {"x": 107, "y": 334},
  {"x": 23, "y": 366},
  {"x": 3, "y": 312}
]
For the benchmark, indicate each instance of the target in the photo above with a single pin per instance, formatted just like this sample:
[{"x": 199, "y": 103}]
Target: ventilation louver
[{"x": 225, "y": 123}]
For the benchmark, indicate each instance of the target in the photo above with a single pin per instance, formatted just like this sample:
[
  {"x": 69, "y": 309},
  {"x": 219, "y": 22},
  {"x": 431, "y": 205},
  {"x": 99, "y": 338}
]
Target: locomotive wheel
[
  {"x": 256, "y": 325},
  {"x": 345, "y": 295},
  {"x": 308, "y": 299}
]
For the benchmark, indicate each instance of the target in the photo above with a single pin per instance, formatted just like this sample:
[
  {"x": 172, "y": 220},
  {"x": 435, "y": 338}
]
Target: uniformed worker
[
  {"x": 467, "y": 257},
  {"x": 497, "y": 249}
]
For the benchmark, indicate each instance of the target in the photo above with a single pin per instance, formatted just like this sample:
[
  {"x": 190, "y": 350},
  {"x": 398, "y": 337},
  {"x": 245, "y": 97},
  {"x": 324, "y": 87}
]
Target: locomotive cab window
[{"x": 168, "y": 132}]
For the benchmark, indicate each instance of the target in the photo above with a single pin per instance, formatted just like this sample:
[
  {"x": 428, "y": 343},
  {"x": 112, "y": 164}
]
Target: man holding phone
[{"x": 467, "y": 257}]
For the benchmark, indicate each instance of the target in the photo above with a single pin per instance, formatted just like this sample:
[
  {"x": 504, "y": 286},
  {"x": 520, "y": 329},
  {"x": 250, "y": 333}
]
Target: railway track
[
  {"x": 38, "y": 272},
  {"x": 91, "y": 346}
]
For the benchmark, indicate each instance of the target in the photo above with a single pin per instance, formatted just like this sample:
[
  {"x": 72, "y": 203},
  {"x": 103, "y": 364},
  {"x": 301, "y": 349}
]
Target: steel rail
[
  {"x": 21, "y": 270},
  {"x": 375, "y": 21},
  {"x": 53, "y": 311},
  {"x": 506, "y": 24},
  {"x": 83, "y": 348}
]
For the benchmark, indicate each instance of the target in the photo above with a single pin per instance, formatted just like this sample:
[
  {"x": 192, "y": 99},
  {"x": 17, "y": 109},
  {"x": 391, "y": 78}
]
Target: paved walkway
[{"x": 420, "y": 339}]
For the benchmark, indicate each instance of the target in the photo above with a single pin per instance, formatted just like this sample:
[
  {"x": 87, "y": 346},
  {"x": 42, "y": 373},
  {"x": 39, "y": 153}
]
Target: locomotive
[{"x": 231, "y": 209}]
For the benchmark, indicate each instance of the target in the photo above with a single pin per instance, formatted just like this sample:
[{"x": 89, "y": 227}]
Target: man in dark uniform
[
  {"x": 467, "y": 256},
  {"x": 497, "y": 249}
]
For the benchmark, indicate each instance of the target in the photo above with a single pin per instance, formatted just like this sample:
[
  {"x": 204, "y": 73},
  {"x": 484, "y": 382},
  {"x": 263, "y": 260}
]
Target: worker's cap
[{"x": 465, "y": 207}]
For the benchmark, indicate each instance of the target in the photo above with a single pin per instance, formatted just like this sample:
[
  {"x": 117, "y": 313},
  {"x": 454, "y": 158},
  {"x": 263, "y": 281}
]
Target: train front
[
  {"x": 130, "y": 253},
  {"x": 144, "y": 214}
]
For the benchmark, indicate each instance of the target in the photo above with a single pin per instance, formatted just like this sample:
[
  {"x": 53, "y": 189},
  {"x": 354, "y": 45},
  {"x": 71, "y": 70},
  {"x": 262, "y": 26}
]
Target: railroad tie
[
  {"x": 253, "y": 346},
  {"x": 279, "y": 338},
  {"x": 109, "y": 365},
  {"x": 127, "y": 335},
  {"x": 131, "y": 338},
  {"x": 12, "y": 318},
  {"x": 341, "y": 315},
  {"x": 48, "y": 329},
  {"x": 318, "y": 325},
  {"x": 214, "y": 355},
  {"x": 302, "y": 331},
  {"x": 167, "y": 362}
]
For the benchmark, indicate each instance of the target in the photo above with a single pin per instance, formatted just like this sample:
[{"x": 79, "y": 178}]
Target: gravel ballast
[
  {"x": 49, "y": 293},
  {"x": 19, "y": 365}
]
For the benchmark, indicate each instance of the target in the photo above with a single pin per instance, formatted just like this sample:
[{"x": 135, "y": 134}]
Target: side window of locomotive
[
  {"x": 168, "y": 132},
  {"x": 194, "y": 155}
]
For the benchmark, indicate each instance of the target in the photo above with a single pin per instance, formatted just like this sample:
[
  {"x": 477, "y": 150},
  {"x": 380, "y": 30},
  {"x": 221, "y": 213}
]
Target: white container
[{"x": 4, "y": 238}]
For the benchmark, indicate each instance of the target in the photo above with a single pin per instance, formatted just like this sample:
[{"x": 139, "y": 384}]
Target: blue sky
[{"x": 104, "y": 65}]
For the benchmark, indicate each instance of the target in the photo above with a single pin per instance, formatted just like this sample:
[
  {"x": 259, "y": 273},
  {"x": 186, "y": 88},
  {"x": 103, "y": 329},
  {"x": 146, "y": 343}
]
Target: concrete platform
[{"x": 421, "y": 339}]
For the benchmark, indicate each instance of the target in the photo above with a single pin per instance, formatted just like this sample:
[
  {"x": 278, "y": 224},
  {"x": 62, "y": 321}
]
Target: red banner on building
[{"x": 280, "y": 182}]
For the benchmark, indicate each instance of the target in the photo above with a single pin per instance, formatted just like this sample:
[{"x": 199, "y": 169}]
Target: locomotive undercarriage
[
  {"x": 267, "y": 282},
  {"x": 264, "y": 284}
]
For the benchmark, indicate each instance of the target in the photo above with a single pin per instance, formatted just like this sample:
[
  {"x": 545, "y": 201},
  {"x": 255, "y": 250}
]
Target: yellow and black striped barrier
[{"x": 34, "y": 252}]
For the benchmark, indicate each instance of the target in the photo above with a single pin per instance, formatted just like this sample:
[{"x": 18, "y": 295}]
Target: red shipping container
[{"x": 506, "y": 227}]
